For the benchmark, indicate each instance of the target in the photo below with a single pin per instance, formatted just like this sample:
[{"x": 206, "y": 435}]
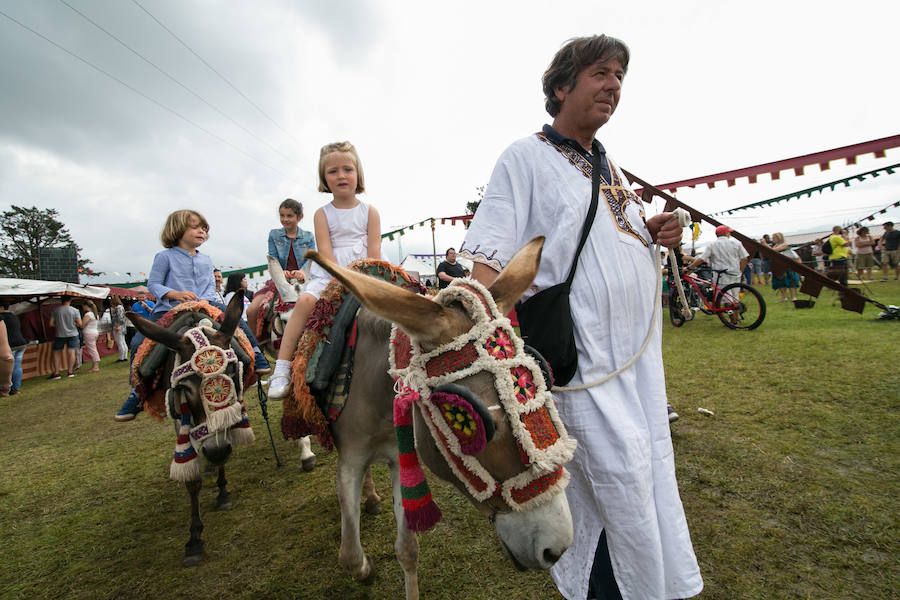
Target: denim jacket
[{"x": 280, "y": 245}]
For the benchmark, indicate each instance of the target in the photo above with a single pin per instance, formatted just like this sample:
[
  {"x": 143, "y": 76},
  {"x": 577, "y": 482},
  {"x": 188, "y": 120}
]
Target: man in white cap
[{"x": 726, "y": 253}]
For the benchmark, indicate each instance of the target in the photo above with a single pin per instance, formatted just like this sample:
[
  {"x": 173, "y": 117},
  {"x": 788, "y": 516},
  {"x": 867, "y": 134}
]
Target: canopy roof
[
  {"x": 416, "y": 265},
  {"x": 29, "y": 288}
]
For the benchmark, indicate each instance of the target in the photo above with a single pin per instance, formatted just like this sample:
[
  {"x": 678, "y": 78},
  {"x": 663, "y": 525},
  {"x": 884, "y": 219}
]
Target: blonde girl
[{"x": 346, "y": 229}]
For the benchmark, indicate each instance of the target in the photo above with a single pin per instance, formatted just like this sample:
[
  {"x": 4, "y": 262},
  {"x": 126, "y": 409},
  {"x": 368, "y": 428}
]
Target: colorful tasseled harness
[
  {"x": 460, "y": 424},
  {"x": 223, "y": 402}
]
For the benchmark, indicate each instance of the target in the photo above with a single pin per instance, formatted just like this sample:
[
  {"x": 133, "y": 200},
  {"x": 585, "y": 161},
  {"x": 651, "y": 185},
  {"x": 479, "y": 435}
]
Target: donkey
[
  {"x": 534, "y": 528},
  {"x": 272, "y": 329},
  {"x": 204, "y": 397}
]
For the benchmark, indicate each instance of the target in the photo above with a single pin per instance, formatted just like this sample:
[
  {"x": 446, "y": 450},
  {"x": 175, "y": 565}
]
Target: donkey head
[
  {"x": 203, "y": 366},
  {"x": 484, "y": 419}
]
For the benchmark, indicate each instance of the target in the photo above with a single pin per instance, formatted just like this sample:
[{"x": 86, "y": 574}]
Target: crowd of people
[{"x": 838, "y": 256}]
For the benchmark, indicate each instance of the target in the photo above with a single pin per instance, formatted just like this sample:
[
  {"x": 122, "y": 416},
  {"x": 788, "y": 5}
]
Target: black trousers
[{"x": 602, "y": 583}]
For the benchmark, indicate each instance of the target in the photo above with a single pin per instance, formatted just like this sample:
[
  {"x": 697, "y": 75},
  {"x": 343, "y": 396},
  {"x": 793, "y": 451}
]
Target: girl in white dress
[{"x": 346, "y": 229}]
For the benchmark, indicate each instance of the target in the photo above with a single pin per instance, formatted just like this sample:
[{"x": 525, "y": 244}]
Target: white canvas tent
[
  {"x": 411, "y": 264},
  {"x": 30, "y": 288}
]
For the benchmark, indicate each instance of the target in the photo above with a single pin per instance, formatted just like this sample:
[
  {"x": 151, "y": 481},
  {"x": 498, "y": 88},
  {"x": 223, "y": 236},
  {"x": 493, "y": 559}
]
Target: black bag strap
[{"x": 592, "y": 211}]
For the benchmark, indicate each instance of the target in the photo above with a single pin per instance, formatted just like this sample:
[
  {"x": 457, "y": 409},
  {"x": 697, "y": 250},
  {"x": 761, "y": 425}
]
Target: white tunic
[
  {"x": 348, "y": 229},
  {"x": 623, "y": 472}
]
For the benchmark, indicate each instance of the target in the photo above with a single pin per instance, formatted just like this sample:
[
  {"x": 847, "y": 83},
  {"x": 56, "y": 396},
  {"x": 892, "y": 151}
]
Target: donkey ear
[
  {"x": 420, "y": 317},
  {"x": 233, "y": 313},
  {"x": 158, "y": 334},
  {"x": 517, "y": 276},
  {"x": 285, "y": 290}
]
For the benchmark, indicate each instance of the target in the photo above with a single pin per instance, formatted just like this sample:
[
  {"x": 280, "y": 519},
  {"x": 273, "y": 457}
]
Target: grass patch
[{"x": 790, "y": 488}]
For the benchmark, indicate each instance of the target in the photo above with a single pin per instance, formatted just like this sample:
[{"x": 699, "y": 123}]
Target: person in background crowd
[
  {"x": 449, "y": 269},
  {"x": 237, "y": 283},
  {"x": 219, "y": 294},
  {"x": 142, "y": 307},
  {"x": 17, "y": 343},
  {"x": 789, "y": 281},
  {"x": 890, "y": 251},
  {"x": 66, "y": 320},
  {"x": 864, "y": 251},
  {"x": 117, "y": 318},
  {"x": 766, "y": 262},
  {"x": 6, "y": 361},
  {"x": 90, "y": 332},
  {"x": 756, "y": 265},
  {"x": 726, "y": 253},
  {"x": 839, "y": 254}
]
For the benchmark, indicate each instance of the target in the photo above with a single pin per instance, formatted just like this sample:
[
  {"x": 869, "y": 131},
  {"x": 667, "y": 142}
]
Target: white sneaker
[{"x": 279, "y": 386}]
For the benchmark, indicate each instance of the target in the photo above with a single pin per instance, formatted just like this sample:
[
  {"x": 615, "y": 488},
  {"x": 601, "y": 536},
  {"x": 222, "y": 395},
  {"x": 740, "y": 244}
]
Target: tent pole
[{"x": 433, "y": 249}]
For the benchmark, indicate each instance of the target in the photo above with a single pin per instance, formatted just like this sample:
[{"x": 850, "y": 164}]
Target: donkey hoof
[
  {"x": 308, "y": 464},
  {"x": 372, "y": 507},
  {"x": 193, "y": 554},
  {"x": 223, "y": 503},
  {"x": 370, "y": 577}
]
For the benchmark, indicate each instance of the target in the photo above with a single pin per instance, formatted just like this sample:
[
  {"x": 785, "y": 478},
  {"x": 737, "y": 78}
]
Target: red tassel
[{"x": 423, "y": 518}]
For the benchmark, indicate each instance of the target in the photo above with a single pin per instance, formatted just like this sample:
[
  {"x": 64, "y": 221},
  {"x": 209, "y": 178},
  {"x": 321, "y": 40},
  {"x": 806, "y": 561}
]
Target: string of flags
[
  {"x": 464, "y": 219},
  {"x": 889, "y": 170},
  {"x": 261, "y": 269},
  {"x": 871, "y": 217}
]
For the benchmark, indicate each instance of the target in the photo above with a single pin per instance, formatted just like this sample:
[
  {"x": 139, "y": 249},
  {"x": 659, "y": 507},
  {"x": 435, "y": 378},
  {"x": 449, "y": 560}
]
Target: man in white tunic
[
  {"x": 725, "y": 254},
  {"x": 623, "y": 474}
]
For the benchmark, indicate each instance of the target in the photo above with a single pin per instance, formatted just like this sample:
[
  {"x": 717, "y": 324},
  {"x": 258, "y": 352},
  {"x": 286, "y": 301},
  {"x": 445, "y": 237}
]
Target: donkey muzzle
[{"x": 217, "y": 448}]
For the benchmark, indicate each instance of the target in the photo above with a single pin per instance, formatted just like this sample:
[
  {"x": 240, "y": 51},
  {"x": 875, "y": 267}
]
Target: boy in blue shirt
[{"x": 180, "y": 273}]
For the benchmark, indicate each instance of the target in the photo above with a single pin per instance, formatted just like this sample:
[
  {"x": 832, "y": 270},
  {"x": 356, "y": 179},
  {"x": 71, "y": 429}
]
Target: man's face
[
  {"x": 594, "y": 97},
  {"x": 218, "y": 276},
  {"x": 451, "y": 256},
  {"x": 141, "y": 296}
]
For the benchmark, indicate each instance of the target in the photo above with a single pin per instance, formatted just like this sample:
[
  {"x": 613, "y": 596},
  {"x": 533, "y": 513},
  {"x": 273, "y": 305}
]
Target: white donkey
[
  {"x": 288, "y": 293},
  {"x": 453, "y": 374}
]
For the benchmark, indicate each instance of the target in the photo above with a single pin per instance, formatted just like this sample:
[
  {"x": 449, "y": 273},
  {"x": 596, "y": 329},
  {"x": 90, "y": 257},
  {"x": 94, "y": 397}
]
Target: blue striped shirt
[{"x": 174, "y": 269}]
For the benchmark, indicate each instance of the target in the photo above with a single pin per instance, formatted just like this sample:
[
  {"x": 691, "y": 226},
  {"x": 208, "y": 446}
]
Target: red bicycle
[{"x": 737, "y": 305}]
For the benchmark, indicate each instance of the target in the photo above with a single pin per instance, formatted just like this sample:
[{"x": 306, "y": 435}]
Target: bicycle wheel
[
  {"x": 675, "y": 316},
  {"x": 744, "y": 307}
]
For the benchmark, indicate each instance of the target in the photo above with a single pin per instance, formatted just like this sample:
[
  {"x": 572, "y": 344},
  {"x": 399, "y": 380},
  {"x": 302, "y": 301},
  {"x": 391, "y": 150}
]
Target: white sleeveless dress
[{"x": 348, "y": 230}]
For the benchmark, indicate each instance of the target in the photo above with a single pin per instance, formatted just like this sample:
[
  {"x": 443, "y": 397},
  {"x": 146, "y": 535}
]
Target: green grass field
[{"x": 791, "y": 487}]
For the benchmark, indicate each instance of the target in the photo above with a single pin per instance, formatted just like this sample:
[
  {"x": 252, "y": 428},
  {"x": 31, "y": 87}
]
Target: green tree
[
  {"x": 472, "y": 206},
  {"x": 24, "y": 231}
]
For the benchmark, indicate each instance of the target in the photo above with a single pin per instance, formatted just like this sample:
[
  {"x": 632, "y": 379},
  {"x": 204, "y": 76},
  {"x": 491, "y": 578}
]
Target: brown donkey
[
  {"x": 478, "y": 405},
  {"x": 204, "y": 378}
]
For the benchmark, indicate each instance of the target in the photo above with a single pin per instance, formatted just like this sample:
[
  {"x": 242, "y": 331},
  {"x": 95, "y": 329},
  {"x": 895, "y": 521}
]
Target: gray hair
[{"x": 577, "y": 54}]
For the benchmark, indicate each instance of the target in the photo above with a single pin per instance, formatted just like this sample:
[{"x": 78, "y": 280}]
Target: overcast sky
[{"x": 430, "y": 94}]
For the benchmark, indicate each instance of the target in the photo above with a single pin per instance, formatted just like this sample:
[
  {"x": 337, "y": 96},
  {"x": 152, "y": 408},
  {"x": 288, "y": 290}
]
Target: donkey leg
[
  {"x": 373, "y": 500},
  {"x": 307, "y": 458},
  {"x": 223, "y": 500},
  {"x": 407, "y": 545},
  {"x": 193, "y": 550},
  {"x": 349, "y": 484}
]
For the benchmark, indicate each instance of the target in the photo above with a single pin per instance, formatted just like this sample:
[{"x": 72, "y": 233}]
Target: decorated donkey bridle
[
  {"x": 222, "y": 399},
  {"x": 460, "y": 423}
]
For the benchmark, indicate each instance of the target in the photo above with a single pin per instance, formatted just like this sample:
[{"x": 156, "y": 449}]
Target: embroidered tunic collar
[{"x": 560, "y": 140}]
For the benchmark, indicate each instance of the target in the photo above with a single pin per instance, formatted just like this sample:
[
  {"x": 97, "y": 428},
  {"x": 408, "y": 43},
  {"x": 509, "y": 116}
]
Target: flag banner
[
  {"x": 890, "y": 170},
  {"x": 798, "y": 163}
]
